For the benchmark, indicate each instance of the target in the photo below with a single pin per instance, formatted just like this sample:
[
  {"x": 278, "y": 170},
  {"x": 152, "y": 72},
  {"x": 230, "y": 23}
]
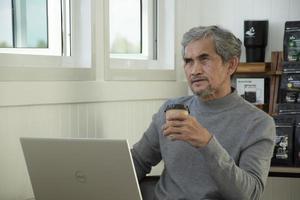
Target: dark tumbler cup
[{"x": 255, "y": 39}]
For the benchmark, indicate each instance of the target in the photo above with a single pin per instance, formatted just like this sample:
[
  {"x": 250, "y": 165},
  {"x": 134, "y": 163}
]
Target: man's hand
[{"x": 186, "y": 128}]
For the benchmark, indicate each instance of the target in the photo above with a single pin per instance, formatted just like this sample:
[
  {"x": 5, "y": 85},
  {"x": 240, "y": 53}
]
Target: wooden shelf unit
[{"x": 272, "y": 70}]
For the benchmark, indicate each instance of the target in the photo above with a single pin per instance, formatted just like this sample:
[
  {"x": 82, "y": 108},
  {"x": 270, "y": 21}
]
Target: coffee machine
[{"x": 255, "y": 39}]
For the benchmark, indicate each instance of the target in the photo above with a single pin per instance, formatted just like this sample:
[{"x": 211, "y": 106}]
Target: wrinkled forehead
[{"x": 200, "y": 46}]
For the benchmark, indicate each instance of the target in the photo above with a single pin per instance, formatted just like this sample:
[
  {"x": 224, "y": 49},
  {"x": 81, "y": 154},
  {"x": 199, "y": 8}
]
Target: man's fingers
[
  {"x": 180, "y": 116},
  {"x": 171, "y": 130},
  {"x": 174, "y": 130},
  {"x": 177, "y": 136},
  {"x": 176, "y": 123}
]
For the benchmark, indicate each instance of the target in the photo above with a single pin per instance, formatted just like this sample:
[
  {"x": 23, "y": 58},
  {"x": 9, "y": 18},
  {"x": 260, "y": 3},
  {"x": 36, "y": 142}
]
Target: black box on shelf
[
  {"x": 251, "y": 89},
  {"x": 283, "y": 150},
  {"x": 290, "y": 82},
  {"x": 297, "y": 143},
  {"x": 291, "y": 42},
  {"x": 291, "y": 67},
  {"x": 288, "y": 109},
  {"x": 289, "y": 96}
]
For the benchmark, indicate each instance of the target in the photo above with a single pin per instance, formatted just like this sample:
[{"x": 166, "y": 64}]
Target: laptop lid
[{"x": 80, "y": 169}]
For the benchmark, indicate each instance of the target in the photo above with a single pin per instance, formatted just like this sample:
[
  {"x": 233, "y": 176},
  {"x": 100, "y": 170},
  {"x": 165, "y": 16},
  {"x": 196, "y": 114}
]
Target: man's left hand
[{"x": 186, "y": 128}]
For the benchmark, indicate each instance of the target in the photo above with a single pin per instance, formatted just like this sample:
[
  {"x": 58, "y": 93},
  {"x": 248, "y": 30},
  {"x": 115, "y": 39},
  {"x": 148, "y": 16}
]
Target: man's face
[{"x": 207, "y": 75}]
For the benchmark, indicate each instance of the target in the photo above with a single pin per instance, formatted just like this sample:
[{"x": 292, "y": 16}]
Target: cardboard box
[{"x": 251, "y": 89}]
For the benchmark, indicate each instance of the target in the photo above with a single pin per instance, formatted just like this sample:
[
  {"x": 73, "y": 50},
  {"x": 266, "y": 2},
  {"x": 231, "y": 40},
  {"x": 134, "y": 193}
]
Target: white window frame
[
  {"x": 162, "y": 68},
  {"x": 147, "y": 39},
  {"x": 79, "y": 66},
  {"x": 54, "y": 36}
]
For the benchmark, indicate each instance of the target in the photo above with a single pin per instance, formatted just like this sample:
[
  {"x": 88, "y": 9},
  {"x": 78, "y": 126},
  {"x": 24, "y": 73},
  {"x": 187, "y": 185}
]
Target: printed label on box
[{"x": 251, "y": 89}]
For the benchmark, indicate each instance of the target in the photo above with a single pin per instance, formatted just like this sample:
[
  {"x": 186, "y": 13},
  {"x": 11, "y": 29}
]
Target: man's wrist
[{"x": 206, "y": 141}]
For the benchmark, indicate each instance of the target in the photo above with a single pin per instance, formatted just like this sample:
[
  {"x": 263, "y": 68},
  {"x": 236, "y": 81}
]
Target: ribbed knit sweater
[{"x": 233, "y": 165}]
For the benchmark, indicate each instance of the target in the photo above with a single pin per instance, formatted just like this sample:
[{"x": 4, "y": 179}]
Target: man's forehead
[
  {"x": 198, "y": 55},
  {"x": 199, "y": 47},
  {"x": 207, "y": 41}
]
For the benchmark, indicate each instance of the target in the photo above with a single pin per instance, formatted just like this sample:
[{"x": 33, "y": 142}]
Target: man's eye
[
  {"x": 187, "y": 61},
  {"x": 204, "y": 60}
]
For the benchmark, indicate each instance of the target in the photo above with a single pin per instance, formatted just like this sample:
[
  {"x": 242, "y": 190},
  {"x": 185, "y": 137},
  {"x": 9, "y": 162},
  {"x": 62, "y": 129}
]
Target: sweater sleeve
[
  {"x": 146, "y": 152},
  {"x": 245, "y": 179}
]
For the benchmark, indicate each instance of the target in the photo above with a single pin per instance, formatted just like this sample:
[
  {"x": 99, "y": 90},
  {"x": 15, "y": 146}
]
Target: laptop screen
[{"x": 76, "y": 169}]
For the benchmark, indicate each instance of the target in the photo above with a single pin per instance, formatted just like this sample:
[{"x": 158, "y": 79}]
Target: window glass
[
  {"x": 125, "y": 26},
  {"x": 6, "y": 35},
  {"x": 147, "y": 25},
  {"x": 30, "y": 23}
]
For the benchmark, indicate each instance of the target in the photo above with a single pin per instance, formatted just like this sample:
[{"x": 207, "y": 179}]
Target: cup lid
[{"x": 177, "y": 106}]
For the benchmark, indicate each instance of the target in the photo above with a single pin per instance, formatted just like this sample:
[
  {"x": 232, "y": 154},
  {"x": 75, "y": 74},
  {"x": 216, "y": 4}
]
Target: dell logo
[{"x": 80, "y": 176}]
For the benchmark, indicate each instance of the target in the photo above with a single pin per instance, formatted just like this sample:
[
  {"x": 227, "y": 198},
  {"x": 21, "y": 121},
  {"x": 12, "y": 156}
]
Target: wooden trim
[
  {"x": 275, "y": 81},
  {"x": 253, "y": 68},
  {"x": 284, "y": 174},
  {"x": 291, "y": 172},
  {"x": 285, "y": 169}
]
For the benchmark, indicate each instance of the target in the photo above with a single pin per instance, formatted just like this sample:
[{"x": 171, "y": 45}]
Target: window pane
[
  {"x": 6, "y": 39},
  {"x": 125, "y": 26},
  {"x": 31, "y": 23}
]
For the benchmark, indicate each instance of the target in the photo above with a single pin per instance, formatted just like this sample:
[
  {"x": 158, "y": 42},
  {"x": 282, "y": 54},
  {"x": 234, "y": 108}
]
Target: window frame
[
  {"x": 161, "y": 68},
  {"x": 23, "y": 67},
  {"x": 54, "y": 34}
]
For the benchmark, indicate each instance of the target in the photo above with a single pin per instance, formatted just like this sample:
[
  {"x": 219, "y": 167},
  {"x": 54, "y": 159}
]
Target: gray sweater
[{"x": 234, "y": 164}]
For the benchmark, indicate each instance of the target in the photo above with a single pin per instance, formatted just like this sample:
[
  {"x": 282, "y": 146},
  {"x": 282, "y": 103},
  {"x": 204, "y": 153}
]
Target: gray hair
[{"x": 226, "y": 44}]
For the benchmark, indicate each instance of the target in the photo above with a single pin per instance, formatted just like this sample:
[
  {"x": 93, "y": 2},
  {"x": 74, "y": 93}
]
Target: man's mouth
[{"x": 198, "y": 80}]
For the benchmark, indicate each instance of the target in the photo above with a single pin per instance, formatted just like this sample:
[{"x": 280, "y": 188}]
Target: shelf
[
  {"x": 259, "y": 67},
  {"x": 285, "y": 169},
  {"x": 292, "y": 172},
  {"x": 274, "y": 72}
]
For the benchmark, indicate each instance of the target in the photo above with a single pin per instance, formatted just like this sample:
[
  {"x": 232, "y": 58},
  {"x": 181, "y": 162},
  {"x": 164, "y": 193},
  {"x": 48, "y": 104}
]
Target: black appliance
[{"x": 255, "y": 39}]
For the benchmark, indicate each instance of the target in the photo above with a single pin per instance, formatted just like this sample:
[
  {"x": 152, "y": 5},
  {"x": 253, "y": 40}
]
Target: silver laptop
[{"x": 80, "y": 169}]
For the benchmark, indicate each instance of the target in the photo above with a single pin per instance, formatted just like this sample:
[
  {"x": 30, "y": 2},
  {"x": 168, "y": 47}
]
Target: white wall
[
  {"x": 61, "y": 114},
  {"x": 231, "y": 15},
  {"x": 279, "y": 188}
]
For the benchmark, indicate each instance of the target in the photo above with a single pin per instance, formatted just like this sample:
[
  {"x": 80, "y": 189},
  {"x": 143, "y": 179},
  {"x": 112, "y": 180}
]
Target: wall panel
[
  {"x": 231, "y": 15},
  {"x": 126, "y": 119}
]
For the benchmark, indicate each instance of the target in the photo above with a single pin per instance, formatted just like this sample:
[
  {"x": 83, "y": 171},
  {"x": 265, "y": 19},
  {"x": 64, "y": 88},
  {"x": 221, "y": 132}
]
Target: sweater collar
[{"x": 217, "y": 105}]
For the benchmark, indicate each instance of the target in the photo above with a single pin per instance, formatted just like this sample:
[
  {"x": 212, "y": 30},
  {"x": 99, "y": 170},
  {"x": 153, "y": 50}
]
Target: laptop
[{"x": 80, "y": 169}]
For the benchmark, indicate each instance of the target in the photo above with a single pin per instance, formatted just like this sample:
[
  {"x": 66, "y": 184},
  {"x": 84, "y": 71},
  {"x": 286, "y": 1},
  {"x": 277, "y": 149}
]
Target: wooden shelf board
[
  {"x": 253, "y": 67},
  {"x": 285, "y": 169},
  {"x": 277, "y": 72}
]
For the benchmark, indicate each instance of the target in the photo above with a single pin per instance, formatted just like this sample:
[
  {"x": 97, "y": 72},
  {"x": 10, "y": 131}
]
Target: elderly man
[{"x": 223, "y": 148}]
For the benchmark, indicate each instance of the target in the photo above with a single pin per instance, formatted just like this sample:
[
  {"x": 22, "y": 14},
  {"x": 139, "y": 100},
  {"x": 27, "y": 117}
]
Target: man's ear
[{"x": 233, "y": 64}]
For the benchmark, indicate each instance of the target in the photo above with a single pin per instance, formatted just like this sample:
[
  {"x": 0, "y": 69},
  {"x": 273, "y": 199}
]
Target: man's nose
[{"x": 197, "y": 68}]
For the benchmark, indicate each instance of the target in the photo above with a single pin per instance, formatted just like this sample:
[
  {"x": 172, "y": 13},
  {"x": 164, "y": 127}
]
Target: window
[
  {"x": 30, "y": 27},
  {"x": 6, "y": 39},
  {"x": 26, "y": 26},
  {"x": 132, "y": 29},
  {"x": 40, "y": 39},
  {"x": 141, "y": 40},
  {"x": 125, "y": 27}
]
